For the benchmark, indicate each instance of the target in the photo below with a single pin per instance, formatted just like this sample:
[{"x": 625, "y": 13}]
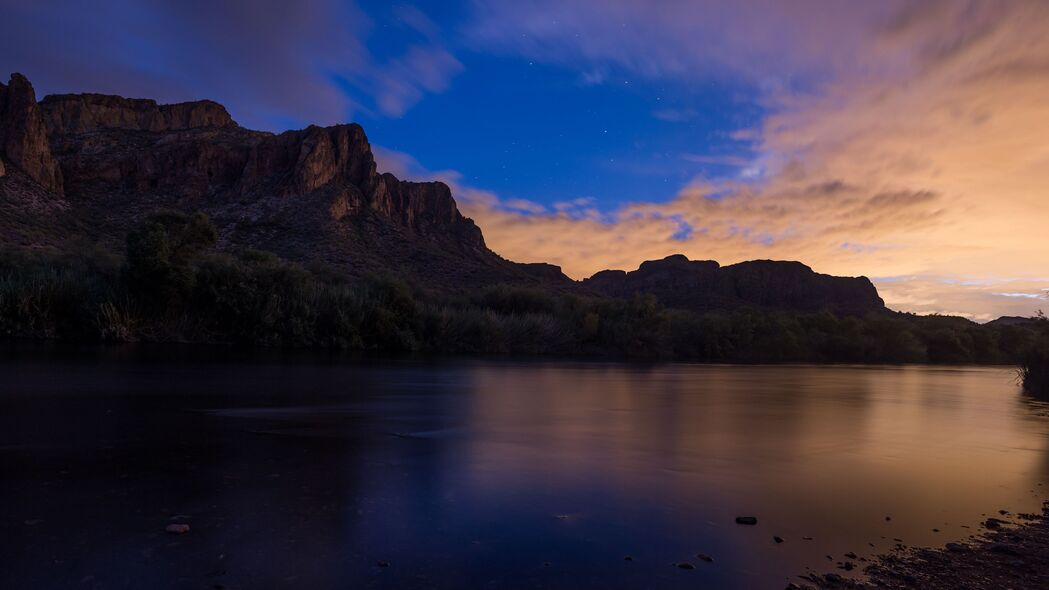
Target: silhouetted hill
[
  {"x": 1012, "y": 320},
  {"x": 703, "y": 285}
]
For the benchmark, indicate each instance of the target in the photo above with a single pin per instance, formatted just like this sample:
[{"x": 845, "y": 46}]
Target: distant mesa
[
  {"x": 94, "y": 166},
  {"x": 704, "y": 285}
]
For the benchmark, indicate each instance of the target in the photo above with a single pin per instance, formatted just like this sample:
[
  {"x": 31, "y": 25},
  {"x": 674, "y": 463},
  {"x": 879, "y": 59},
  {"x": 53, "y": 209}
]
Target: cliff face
[
  {"x": 94, "y": 166},
  {"x": 23, "y": 138},
  {"x": 312, "y": 195},
  {"x": 195, "y": 151},
  {"x": 81, "y": 113},
  {"x": 703, "y": 285}
]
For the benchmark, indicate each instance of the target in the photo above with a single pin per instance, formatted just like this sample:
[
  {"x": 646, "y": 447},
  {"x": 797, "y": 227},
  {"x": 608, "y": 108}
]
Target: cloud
[
  {"x": 273, "y": 63},
  {"x": 675, "y": 115},
  {"x": 717, "y": 160},
  {"x": 403, "y": 81},
  {"x": 904, "y": 140},
  {"x": 770, "y": 42}
]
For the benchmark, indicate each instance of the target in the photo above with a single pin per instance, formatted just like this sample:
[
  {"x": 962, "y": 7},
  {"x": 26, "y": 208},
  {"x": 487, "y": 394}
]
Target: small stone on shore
[
  {"x": 746, "y": 520},
  {"x": 704, "y": 557},
  {"x": 777, "y": 538},
  {"x": 686, "y": 566}
]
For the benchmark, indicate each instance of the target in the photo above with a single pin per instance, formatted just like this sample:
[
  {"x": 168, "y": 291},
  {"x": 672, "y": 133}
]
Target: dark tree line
[{"x": 172, "y": 285}]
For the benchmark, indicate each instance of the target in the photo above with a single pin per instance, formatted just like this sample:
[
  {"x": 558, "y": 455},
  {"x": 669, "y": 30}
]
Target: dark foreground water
[{"x": 324, "y": 474}]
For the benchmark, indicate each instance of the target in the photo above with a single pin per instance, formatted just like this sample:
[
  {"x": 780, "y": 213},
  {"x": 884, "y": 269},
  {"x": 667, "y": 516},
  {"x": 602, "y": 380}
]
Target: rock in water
[{"x": 177, "y": 529}]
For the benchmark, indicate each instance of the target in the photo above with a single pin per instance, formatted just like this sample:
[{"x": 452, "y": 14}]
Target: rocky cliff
[
  {"x": 312, "y": 195},
  {"x": 23, "y": 139},
  {"x": 704, "y": 285},
  {"x": 89, "y": 166}
]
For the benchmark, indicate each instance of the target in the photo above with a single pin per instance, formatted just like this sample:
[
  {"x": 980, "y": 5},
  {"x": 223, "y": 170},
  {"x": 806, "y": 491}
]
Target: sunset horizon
[
  {"x": 902, "y": 141},
  {"x": 558, "y": 294}
]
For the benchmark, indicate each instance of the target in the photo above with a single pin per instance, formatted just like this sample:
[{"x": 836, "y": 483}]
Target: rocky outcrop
[
  {"x": 23, "y": 136},
  {"x": 312, "y": 195},
  {"x": 703, "y": 285},
  {"x": 82, "y": 113}
]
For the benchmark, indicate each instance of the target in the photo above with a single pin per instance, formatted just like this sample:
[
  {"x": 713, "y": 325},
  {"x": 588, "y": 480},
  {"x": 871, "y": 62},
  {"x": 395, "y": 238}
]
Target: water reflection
[{"x": 493, "y": 474}]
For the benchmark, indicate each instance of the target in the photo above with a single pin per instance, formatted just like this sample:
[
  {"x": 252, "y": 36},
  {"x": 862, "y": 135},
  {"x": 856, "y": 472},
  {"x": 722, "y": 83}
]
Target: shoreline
[{"x": 1007, "y": 555}]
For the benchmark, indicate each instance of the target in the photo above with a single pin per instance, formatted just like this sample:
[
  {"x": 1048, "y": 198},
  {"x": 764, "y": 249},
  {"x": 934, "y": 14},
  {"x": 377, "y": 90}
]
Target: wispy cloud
[
  {"x": 273, "y": 63},
  {"x": 906, "y": 139},
  {"x": 717, "y": 160},
  {"x": 675, "y": 115}
]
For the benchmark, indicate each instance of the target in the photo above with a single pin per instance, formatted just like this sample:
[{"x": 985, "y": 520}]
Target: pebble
[
  {"x": 686, "y": 566},
  {"x": 746, "y": 520},
  {"x": 777, "y": 538},
  {"x": 851, "y": 555},
  {"x": 177, "y": 529},
  {"x": 628, "y": 558},
  {"x": 704, "y": 557}
]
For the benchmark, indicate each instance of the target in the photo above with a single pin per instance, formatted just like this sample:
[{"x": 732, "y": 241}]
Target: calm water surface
[{"x": 492, "y": 474}]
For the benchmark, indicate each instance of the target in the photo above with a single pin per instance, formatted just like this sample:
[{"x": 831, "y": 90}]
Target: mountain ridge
[{"x": 97, "y": 165}]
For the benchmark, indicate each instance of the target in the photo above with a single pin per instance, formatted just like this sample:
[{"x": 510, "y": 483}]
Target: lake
[{"x": 300, "y": 472}]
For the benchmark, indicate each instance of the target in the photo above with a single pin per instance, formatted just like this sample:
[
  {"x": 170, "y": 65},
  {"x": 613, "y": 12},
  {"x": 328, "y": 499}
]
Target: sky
[{"x": 905, "y": 141}]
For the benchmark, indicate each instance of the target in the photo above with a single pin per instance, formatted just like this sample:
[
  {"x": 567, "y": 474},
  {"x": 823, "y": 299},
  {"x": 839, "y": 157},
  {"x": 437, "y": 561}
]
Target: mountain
[
  {"x": 79, "y": 168},
  {"x": 96, "y": 166},
  {"x": 704, "y": 285},
  {"x": 1012, "y": 320}
]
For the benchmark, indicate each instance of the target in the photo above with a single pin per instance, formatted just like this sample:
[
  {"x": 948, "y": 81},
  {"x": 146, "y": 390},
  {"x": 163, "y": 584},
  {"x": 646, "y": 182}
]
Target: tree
[{"x": 159, "y": 270}]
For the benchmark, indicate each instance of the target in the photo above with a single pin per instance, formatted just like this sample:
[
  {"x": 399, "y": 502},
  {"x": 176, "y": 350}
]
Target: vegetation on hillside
[
  {"x": 171, "y": 285},
  {"x": 1034, "y": 362}
]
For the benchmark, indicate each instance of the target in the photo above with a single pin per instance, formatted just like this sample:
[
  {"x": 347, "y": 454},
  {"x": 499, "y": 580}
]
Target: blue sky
[
  {"x": 549, "y": 133},
  {"x": 901, "y": 139}
]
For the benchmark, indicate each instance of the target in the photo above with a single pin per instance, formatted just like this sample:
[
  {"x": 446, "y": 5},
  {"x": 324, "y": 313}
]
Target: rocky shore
[{"x": 1007, "y": 555}]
